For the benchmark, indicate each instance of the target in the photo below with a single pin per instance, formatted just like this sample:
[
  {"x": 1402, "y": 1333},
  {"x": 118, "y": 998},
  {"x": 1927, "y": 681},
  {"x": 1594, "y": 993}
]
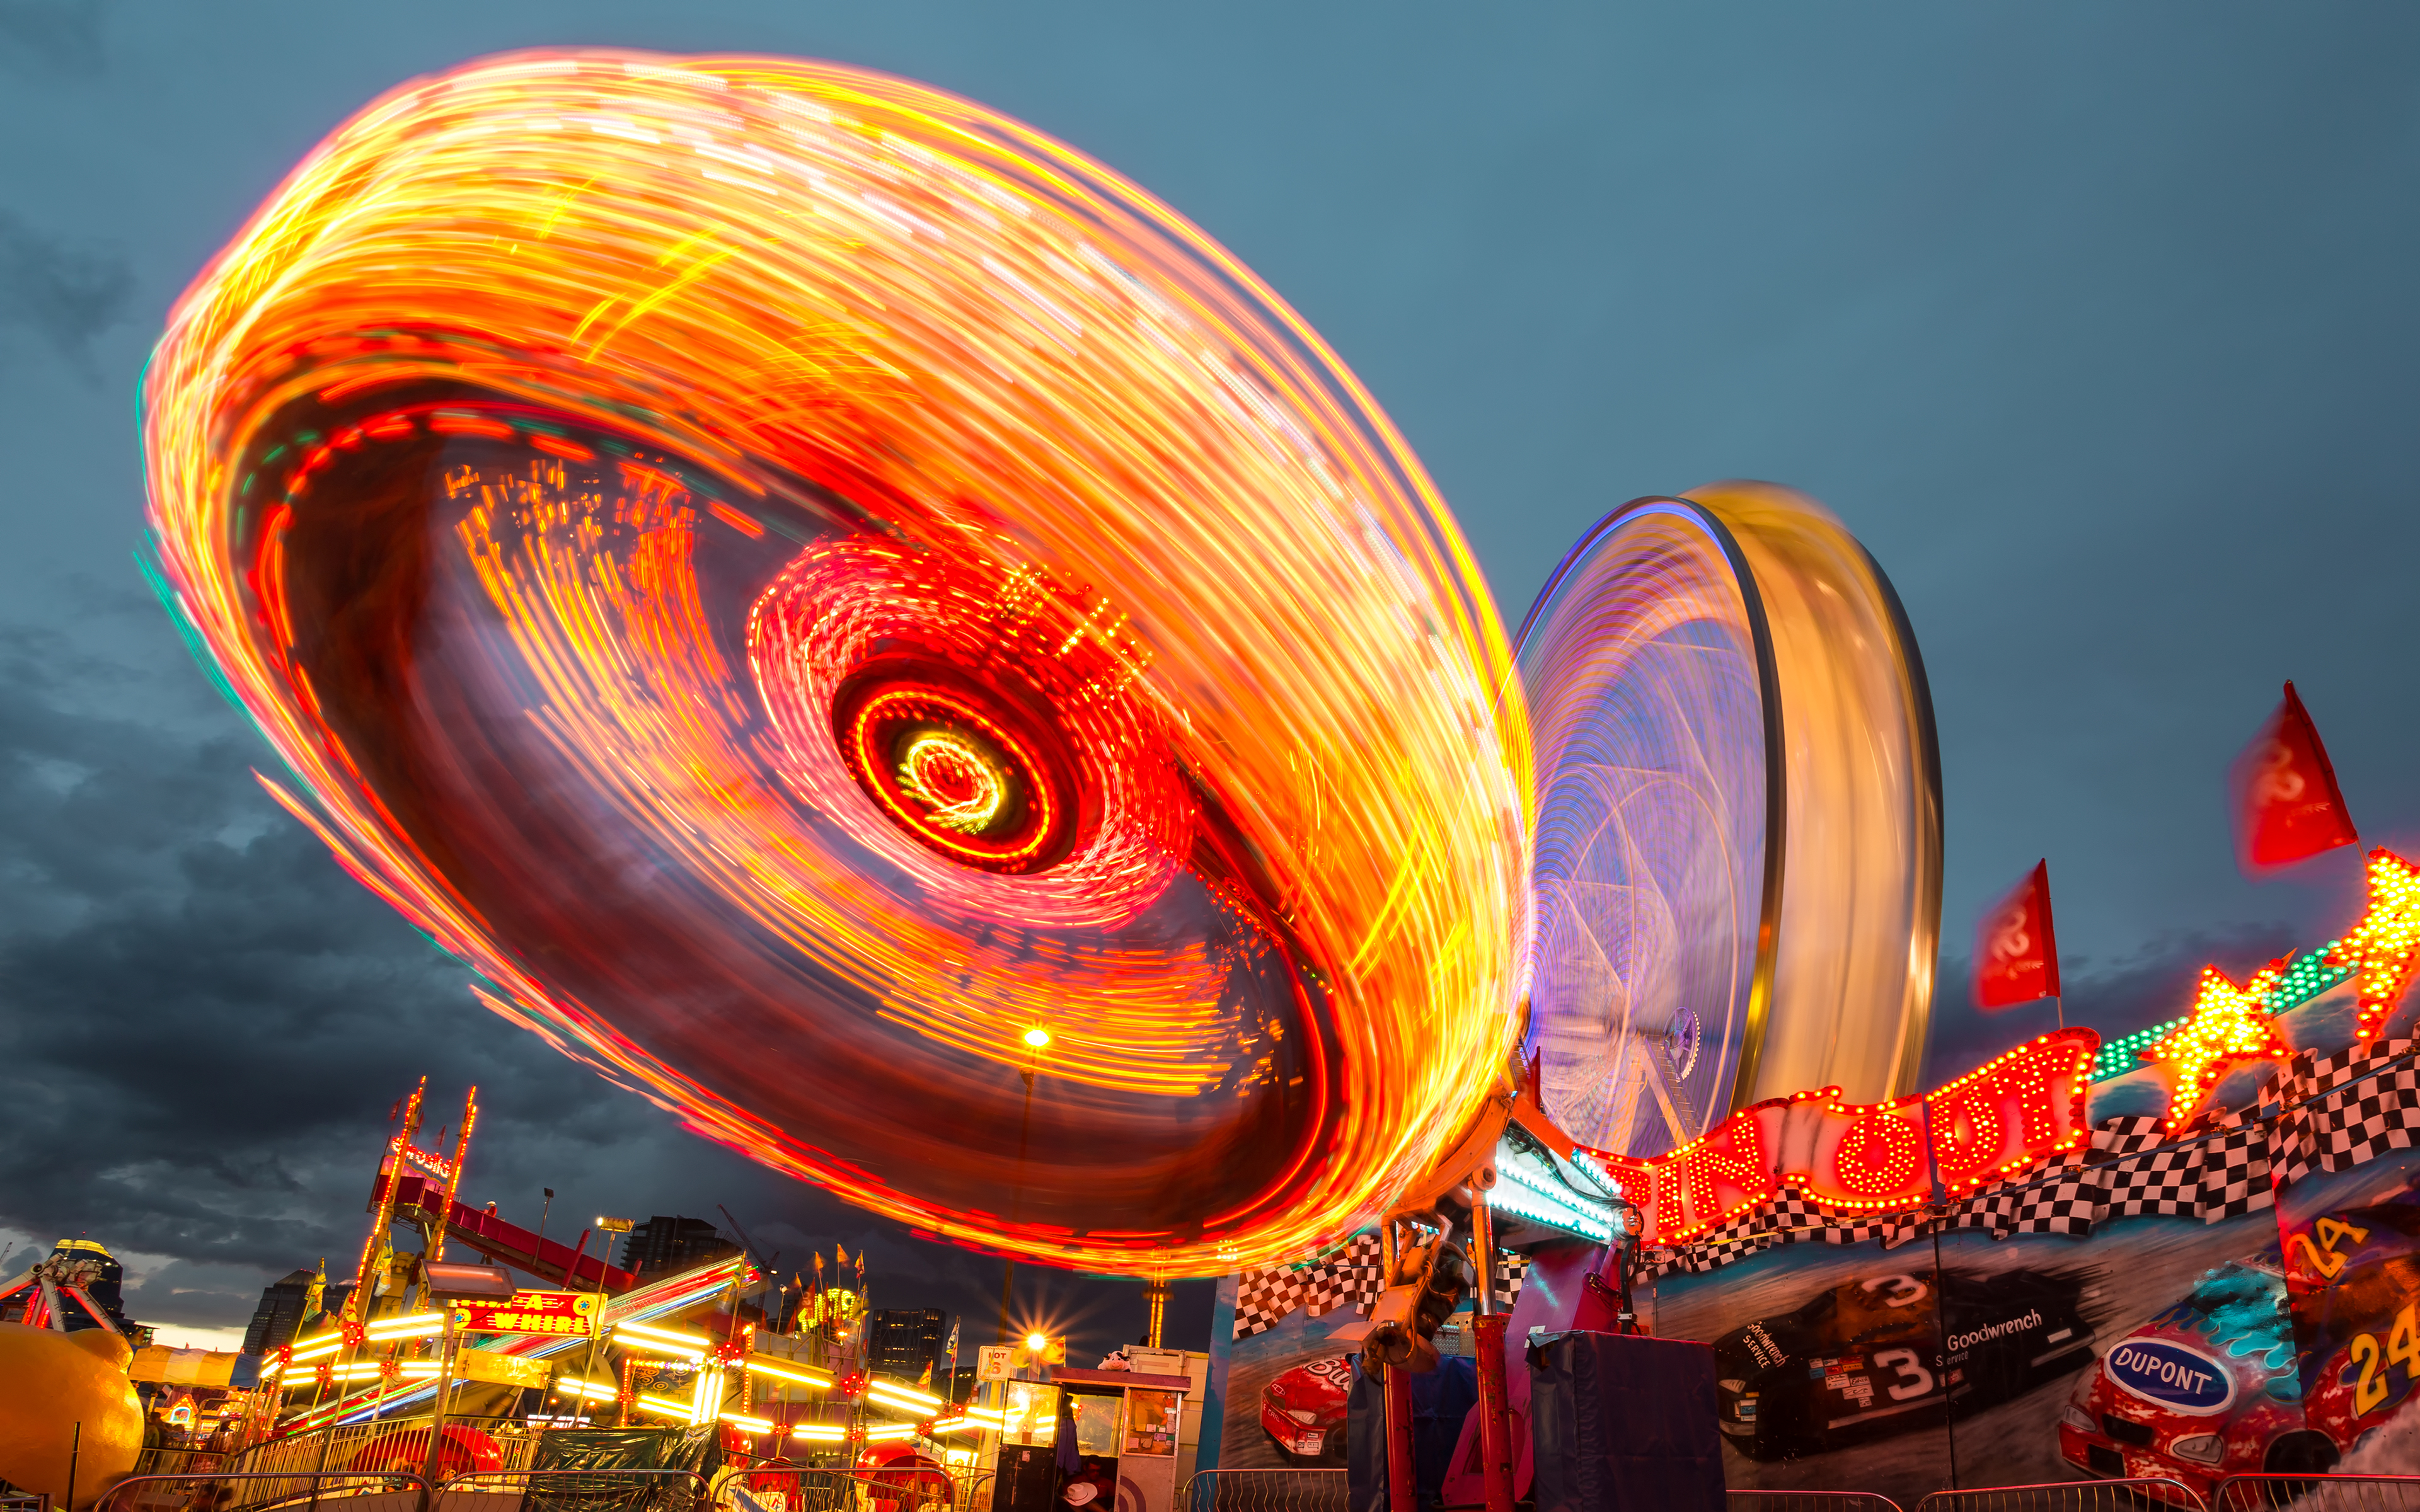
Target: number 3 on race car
[{"x": 1913, "y": 1380}]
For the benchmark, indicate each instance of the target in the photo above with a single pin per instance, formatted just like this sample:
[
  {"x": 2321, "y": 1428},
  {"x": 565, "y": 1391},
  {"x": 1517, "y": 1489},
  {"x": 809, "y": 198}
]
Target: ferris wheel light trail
[{"x": 801, "y": 581}]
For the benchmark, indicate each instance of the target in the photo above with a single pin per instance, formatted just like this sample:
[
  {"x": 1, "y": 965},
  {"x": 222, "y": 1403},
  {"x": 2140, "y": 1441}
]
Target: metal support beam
[{"x": 1494, "y": 1408}]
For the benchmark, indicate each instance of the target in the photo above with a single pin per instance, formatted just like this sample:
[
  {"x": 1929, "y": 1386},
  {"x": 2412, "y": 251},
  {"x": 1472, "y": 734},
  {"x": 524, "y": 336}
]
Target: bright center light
[
  {"x": 1037, "y": 1342},
  {"x": 1038, "y": 1036},
  {"x": 953, "y": 777}
]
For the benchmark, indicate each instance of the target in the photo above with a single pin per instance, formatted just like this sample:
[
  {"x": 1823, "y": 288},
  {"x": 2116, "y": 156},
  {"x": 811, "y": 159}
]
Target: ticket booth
[{"x": 1128, "y": 1424}]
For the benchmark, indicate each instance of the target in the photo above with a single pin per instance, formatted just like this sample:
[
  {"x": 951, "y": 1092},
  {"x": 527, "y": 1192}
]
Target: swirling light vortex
[{"x": 576, "y": 441}]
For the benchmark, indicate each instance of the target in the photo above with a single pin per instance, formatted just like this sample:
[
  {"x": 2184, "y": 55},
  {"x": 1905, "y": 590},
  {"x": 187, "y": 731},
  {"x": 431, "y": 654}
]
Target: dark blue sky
[{"x": 2095, "y": 323}]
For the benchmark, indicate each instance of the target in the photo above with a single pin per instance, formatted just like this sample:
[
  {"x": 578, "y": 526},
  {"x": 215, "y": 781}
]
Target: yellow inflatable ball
[{"x": 49, "y": 1381}]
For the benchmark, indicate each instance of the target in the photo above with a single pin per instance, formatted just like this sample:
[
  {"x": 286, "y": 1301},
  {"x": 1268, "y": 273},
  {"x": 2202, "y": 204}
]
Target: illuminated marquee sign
[
  {"x": 562, "y": 1313},
  {"x": 1992, "y": 1122}
]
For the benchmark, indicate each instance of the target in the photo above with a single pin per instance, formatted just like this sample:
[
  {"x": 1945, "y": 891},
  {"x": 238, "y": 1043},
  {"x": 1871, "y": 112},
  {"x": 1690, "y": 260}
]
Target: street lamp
[
  {"x": 1037, "y": 1040},
  {"x": 445, "y": 1283}
]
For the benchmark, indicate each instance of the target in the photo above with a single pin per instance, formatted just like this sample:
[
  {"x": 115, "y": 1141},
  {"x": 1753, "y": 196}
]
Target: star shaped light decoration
[
  {"x": 2228, "y": 1024},
  {"x": 2383, "y": 948}
]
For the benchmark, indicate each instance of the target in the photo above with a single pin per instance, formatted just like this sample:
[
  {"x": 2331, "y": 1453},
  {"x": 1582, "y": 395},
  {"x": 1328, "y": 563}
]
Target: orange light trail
[{"x": 575, "y": 439}]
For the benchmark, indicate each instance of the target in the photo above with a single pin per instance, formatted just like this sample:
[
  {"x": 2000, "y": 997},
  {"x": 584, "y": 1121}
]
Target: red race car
[
  {"x": 2354, "y": 1278},
  {"x": 1304, "y": 1411},
  {"x": 2207, "y": 1389}
]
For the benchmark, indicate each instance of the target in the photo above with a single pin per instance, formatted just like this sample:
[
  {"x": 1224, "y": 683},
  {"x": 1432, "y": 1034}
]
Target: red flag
[
  {"x": 2016, "y": 954},
  {"x": 2288, "y": 807}
]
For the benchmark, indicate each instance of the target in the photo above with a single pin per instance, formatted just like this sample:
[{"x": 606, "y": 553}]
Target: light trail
[{"x": 597, "y": 473}]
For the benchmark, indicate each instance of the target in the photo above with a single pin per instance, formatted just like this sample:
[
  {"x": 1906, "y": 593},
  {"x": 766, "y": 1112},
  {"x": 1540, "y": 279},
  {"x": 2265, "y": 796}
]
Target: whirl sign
[
  {"x": 563, "y": 1314},
  {"x": 1992, "y": 1122}
]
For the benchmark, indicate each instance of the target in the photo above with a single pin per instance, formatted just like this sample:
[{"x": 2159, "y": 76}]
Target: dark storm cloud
[
  {"x": 208, "y": 1022},
  {"x": 62, "y": 295}
]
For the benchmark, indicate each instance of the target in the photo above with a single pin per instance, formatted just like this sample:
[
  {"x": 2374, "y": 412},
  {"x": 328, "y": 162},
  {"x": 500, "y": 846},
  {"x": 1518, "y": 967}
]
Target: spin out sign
[{"x": 1990, "y": 1123}]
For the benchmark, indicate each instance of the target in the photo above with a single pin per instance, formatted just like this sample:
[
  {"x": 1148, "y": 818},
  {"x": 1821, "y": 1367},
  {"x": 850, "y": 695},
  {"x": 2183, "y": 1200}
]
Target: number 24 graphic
[
  {"x": 2402, "y": 1347},
  {"x": 2325, "y": 1256}
]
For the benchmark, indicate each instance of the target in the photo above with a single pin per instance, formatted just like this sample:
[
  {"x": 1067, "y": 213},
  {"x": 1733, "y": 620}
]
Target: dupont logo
[{"x": 2170, "y": 1375}]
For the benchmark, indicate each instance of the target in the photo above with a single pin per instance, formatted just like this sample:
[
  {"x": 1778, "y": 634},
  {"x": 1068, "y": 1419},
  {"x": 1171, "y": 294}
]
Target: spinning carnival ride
[
  {"x": 863, "y": 625},
  {"x": 1738, "y": 865}
]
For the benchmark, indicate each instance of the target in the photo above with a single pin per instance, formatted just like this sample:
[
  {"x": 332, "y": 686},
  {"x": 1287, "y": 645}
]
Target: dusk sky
[{"x": 2095, "y": 322}]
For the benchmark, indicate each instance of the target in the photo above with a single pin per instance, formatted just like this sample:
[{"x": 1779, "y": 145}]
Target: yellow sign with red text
[{"x": 561, "y": 1314}]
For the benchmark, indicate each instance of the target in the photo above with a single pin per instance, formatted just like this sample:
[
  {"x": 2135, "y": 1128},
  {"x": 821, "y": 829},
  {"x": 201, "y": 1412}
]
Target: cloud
[
  {"x": 65, "y": 295},
  {"x": 2115, "y": 996},
  {"x": 207, "y": 1022},
  {"x": 49, "y": 37}
]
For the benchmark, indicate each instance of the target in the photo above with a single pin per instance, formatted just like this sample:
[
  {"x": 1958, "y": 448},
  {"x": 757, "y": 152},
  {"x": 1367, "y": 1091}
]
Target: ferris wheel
[{"x": 1737, "y": 877}]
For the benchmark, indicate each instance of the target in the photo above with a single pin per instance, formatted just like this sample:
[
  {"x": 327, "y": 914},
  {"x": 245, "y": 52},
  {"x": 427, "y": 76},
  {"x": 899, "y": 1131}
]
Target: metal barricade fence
[
  {"x": 215, "y": 1491},
  {"x": 2317, "y": 1493},
  {"x": 801, "y": 1488},
  {"x": 2129, "y": 1495},
  {"x": 1263, "y": 1490},
  {"x": 776, "y": 1486},
  {"x": 160, "y": 1461},
  {"x": 974, "y": 1486},
  {"x": 1765, "y": 1501},
  {"x": 645, "y": 1490},
  {"x": 341, "y": 1447}
]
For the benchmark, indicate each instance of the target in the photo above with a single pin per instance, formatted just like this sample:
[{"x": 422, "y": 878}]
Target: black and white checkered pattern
[
  {"x": 2163, "y": 1179},
  {"x": 2308, "y": 1076},
  {"x": 2345, "y": 1111},
  {"x": 1512, "y": 1274},
  {"x": 2068, "y": 1203},
  {"x": 1355, "y": 1276},
  {"x": 2116, "y": 1139},
  {"x": 2318, "y": 1114},
  {"x": 1790, "y": 1211},
  {"x": 2235, "y": 1171},
  {"x": 1347, "y": 1276}
]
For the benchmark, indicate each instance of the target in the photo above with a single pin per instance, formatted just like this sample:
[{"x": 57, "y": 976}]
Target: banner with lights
[
  {"x": 1994, "y": 1121},
  {"x": 562, "y": 1313}
]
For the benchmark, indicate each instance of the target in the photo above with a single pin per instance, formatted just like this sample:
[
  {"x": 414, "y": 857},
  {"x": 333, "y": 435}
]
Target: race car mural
[
  {"x": 1866, "y": 1358},
  {"x": 2207, "y": 1389},
  {"x": 1304, "y": 1411},
  {"x": 2354, "y": 1282}
]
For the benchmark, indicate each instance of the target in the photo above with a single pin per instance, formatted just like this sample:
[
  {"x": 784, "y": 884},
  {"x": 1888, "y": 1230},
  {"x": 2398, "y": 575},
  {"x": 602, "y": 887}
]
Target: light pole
[
  {"x": 1037, "y": 1040},
  {"x": 445, "y": 1285}
]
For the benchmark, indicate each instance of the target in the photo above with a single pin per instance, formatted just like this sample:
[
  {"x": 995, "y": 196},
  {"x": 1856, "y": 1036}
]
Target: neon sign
[{"x": 1990, "y": 1123}]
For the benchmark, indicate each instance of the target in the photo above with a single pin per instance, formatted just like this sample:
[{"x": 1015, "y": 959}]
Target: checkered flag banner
[
  {"x": 2117, "y": 1139},
  {"x": 1353, "y": 1275},
  {"x": 2344, "y": 1111},
  {"x": 1348, "y": 1277},
  {"x": 2160, "y": 1180},
  {"x": 1512, "y": 1274},
  {"x": 2235, "y": 1171},
  {"x": 1742, "y": 1235},
  {"x": 2319, "y": 1113},
  {"x": 2068, "y": 1203}
]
